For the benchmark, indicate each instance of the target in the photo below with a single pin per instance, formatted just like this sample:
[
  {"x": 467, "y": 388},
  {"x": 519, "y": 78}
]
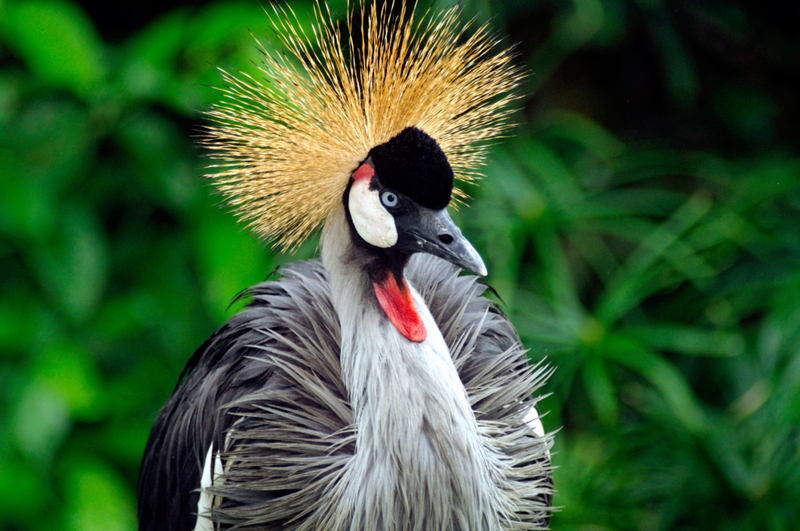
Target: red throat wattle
[{"x": 398, "y": 304}]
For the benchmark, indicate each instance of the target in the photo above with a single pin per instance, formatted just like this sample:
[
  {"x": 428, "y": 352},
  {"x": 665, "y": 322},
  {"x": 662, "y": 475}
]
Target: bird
[{"x": 374, "y": 387}]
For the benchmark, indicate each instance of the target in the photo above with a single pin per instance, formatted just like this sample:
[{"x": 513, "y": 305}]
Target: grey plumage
[{"x": 269, "y": 386}]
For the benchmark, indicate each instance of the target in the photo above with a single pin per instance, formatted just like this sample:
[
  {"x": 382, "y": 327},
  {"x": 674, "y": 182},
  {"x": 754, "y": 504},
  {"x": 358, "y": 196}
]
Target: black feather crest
[{"x": 413, "y": 164}]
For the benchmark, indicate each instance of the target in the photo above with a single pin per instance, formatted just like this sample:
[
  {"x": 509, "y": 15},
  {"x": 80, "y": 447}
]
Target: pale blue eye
[{"x": 389, "y": 198}]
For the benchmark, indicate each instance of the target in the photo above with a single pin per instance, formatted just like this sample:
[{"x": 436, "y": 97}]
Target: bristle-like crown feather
[{"x": 286, "y": 147}]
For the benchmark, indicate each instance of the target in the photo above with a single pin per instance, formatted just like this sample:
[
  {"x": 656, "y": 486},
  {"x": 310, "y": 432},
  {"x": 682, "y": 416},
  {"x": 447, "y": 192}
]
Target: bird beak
[{"x": 436, "y": 234}]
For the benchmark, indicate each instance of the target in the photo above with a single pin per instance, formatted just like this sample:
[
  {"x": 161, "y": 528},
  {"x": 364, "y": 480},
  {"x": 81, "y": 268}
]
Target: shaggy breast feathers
[{"x": 283, "y": 426}]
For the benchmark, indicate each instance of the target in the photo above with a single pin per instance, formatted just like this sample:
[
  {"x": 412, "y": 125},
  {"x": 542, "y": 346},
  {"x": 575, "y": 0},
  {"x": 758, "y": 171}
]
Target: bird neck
[
  {"x": 370, "y": 333},
  {"x": 417, "y": 433}
]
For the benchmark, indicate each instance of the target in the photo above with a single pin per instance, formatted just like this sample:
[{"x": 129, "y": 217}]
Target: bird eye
[{"x": 389, "y": 199}]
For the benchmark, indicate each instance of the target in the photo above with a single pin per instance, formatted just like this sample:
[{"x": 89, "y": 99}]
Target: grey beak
[{"x": 436, "y": 234}]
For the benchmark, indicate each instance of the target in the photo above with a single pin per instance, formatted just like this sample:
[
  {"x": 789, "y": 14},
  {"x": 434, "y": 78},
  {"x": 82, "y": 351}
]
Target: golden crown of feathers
[{"x": 286, "y": 147}]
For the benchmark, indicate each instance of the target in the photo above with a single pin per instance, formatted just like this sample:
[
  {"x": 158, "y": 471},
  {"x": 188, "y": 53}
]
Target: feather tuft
[{"x": 286, "y": 147}]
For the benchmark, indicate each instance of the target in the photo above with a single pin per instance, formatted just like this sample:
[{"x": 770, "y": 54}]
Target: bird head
[
  {"x": 380, "y": 122},
  {"x": 390, "y": 107},
  {"x": 396, "y": 204}
]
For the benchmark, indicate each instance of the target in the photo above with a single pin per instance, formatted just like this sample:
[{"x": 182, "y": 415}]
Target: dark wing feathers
[{"x": 266, "y": 389}]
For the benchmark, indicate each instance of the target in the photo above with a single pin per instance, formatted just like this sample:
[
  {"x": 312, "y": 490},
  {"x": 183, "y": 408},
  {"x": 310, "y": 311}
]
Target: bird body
[
  {"x": 272, "y": 373},
  {"x": 376, "y": 388}
]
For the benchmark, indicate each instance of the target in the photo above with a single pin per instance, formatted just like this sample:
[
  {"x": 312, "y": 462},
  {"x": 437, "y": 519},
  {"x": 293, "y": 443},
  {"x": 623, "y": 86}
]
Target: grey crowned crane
[{"x": 374, "y": 388}]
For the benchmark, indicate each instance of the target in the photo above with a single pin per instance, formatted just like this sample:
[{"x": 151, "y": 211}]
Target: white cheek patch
[{"x": 372, "y": 221}]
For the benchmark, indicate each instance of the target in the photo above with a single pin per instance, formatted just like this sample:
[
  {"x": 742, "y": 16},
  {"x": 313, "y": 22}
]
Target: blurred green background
[{"x": 642, "y": 225}]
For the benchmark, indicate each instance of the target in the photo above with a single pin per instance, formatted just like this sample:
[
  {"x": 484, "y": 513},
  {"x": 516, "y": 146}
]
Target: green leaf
[
  {"x": 22, "y": 490},
  {"x": 556, "y": 273},
  {"x": 661, "y": 374},
  {"x": 48, "y": 148},
  {"x": 40, "y": 422},
  {"x": 74, "y": 266},
  {"x": 553, "y": 172},
  {"x": 581, "y": 130},
  {"x": 629, "y": 286},
  {"x": 58, "y": 43},
  {"x": 600, "y": 391},
  {"x": 679, "y": 71},
  {"x": 516, "y": 188},
  {"x": 68, "y": 371},
  {"x": 97, "y": 498},
  {"x": 689, "y": 340},
  {"x": 160, "y": 44},
  {"x": 150, "y": 61},
  {"x": 230, "y": 260}
]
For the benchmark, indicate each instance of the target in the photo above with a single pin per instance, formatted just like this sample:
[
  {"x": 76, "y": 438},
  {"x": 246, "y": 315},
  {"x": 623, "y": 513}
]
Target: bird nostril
[{"x": 446, "y": 239}]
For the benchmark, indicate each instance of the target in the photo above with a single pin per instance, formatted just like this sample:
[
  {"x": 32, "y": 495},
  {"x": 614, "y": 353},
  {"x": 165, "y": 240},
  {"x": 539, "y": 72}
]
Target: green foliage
[{"x": 657, "y": 268}]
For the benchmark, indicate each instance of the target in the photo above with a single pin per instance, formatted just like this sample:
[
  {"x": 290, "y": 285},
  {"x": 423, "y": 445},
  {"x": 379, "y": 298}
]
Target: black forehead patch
[{"x": 413, "y": 164}]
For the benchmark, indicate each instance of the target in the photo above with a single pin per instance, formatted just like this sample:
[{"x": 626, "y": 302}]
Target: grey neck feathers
[{"x": 420, "y": 461}]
